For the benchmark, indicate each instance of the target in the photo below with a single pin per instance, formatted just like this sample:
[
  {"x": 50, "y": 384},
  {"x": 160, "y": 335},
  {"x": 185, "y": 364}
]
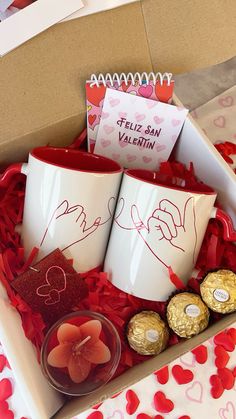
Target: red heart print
[
  {"x": 95, "y": 415},
  {"x": 224, "y": 340},
  {"x": 182, "y": 376},
  {"x": 217, "y": 388},
  {"x": 96, "y": 94},
  {"x": 184, "y": 417},
  {"x": 5, "y": 389},
  {"x": 162, "y": 404},
  {"x": 5, "y": 412},
  {"x": 116, "y": 395},
  {"x": 3, "y": 362},
  {"x": 201, "y": 354},
  {"x": 222, "y": 357},
  {"x": 232, "y": 333},
  {"x": 227, "y": 378},
  {"x": 125, "y": 86},
  {"x": 162, "y": 375},
  {"x": 96, "y": 406},
  {"x": 91, "y": 119},
  {"x": 133, "y": 402},
  {"x": 143, "y": 416}
]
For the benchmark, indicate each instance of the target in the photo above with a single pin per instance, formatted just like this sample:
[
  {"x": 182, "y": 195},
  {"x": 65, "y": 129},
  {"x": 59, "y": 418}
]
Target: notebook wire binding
[{"x": 144, "y": 77}]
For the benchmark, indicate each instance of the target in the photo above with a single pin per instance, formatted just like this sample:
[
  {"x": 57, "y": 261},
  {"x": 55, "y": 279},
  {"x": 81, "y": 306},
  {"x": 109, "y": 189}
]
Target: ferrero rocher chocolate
[
  {"x": 147, "y": 334},
  {"x": 218, "y": 291},
  {"x": 187, "y": 315}
]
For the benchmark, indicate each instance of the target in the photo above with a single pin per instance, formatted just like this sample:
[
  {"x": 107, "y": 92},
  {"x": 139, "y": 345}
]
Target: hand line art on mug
[
  {"x": 164, "y": 226},
  {"x": 49, "y": 290},
  {"x": 64, "y": 209}
]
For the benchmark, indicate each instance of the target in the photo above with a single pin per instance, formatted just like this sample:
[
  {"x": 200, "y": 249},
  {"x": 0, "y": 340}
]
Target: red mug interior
[
  {"x": 75, "y": 160},
  {"x": 169, "y": 181}
]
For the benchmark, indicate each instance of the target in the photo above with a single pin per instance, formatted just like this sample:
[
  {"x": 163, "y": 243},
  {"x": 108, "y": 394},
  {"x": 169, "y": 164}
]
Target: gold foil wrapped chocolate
[
  {"x": 187, "y": 315},
  {"x": 218, "y": 291},
  {"x": 147, "y": 334}
]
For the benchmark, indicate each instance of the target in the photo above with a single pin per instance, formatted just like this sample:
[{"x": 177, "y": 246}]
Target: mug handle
[
  {"x": 229, "y": 233},
  {"x": 11, "y": 171}
]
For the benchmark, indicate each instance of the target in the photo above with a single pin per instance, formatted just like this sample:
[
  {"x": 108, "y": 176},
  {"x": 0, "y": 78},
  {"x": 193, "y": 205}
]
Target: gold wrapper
[
  {"x": 218, "y": 291},
  {"x": 147, "y": 334},
  {"x": 187, "y": 315}
]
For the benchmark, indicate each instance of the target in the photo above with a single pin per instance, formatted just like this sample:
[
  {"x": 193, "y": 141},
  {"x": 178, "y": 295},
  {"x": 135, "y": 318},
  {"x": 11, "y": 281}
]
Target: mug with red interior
[
  {"x": 158, "y": 226},
  {"x": 69, "y": 203}
]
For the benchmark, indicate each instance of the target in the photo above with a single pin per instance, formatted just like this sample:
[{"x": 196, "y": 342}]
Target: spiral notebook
[{"x": 158, "y": 87}]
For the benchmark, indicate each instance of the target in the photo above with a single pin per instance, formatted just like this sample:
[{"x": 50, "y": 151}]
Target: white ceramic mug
[
  {"x": 69, "y": 203},
  {"x": 156, "y": 227}
]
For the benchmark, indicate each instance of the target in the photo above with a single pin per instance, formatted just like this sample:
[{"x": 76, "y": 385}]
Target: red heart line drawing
[{"x": 49, "y": 290}]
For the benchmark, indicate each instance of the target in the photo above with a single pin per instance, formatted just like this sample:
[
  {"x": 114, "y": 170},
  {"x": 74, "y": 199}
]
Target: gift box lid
[{"x": 42, "y": 82}]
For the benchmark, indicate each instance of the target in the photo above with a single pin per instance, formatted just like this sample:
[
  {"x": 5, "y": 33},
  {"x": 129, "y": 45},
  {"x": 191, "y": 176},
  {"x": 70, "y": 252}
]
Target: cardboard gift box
[{"x": 42, "y": 102}]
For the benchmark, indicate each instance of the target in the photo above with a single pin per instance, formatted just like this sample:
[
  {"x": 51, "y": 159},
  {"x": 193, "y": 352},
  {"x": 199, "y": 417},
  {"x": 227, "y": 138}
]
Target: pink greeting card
[
  {"x": 138, "y": 132},
  {"x": 151, "y": 86},
  {"x": 20, "y": 20}
]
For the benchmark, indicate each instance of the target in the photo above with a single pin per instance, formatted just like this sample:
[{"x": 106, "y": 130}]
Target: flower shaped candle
[{"x": 80, "y": 353}]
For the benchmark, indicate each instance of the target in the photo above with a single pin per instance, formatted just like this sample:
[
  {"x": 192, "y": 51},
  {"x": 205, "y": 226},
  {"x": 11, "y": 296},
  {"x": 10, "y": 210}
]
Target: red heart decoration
[
  {"x": 158, "y": 417},
  {"x": 96, "y": 406},
  {"x": 3, "y": 362},
  {"x": 133, "y": 402},
  {"x": 5, "y": 412},
  {"x": 95, "y": 415},
  {"x": 96, "y": 94},
  {"x": 5, "y": 389},
  {"x": 162, "y": 375},
  {"x": 182, "y": 376},
  {"x": 184, "y": 417},
  {"x": 91, "y": 119},
  {"x": 145, "y": 416},
  {"x": 201, "y": 354},
  {"x": 224, "y": 340},
  {"x": 227, "y": 378},
  {"x": 162, "y": 404},
  {"x": 217, "y": 388},
  {"x": 232, "y": 333},
  {"x": 116, "y": 395},
  {"x": 222, "y": 357}
]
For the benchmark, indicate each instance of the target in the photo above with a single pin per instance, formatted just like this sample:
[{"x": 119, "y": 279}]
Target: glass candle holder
[{"x": 80, "y": 353}]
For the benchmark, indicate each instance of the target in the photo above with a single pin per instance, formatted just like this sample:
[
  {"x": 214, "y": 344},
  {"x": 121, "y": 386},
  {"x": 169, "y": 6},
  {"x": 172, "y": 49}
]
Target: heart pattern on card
[
  {"x": 139, "y": 117},
  {"x": 105, "y": 143},
  {"x": 145, "y": 91},
  {"x": 127, "y": 123},
  {"x": 158, "y": 120},
  {"x": 108, "y": 129}
]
